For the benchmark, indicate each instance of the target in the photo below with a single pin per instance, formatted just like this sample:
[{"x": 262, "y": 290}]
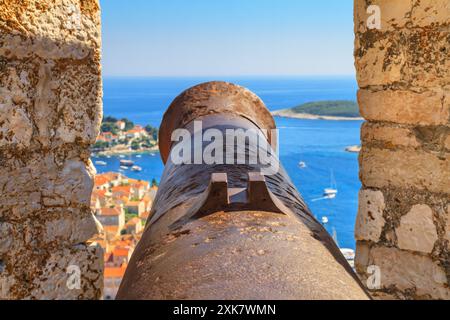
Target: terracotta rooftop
[
  {"x": 100, "y": 180},
  {"x": 111, "y": 175},
  {"x": 117, "y": 272},
  {"x": 126, "y": 189},
  {"x": 110, "y": 212},
  {"x": 121, "y": 251}
]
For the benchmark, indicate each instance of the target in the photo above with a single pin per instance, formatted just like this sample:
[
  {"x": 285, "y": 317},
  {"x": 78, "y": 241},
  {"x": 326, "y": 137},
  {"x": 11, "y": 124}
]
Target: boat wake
[{"x": 321, "y": 198}]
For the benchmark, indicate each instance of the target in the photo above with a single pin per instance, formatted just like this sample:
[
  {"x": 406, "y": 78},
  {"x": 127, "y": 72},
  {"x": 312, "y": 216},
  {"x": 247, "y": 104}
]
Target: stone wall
[
  {"x": 50, "y": 113},
  {"x": 403, "y": 224}
]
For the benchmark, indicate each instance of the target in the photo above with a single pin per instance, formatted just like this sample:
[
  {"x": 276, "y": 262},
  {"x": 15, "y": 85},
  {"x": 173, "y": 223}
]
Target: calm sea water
[{"x": 319, "y": 143}]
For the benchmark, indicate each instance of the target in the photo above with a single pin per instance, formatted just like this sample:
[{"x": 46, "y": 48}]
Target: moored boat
[
  {"x": 126, "y": 163},
  {"x": 349, "y": 255}
]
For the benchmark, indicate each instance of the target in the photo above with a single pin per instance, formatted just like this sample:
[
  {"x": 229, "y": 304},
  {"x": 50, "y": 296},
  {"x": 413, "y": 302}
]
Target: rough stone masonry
[
  {"x": 403, "y": 224},
  {"x": 50, "y": 113}
]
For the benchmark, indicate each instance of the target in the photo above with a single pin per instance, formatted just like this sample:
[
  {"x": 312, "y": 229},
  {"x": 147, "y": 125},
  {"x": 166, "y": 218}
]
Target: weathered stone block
[
  {"x": 403, "y": 71},
  {"x": 71, "y": 274},
  {"x": 405, "y": 271},
  {"x": 70, "y": 230},
  {"x": 361, "y": 257},
  {"x": 389, "y": 136},
  {"x": 405, "y": 59},
  {"x": 370, "y": 221},
  {"x": 50, "y": 113},
  {"x": 417, "y": 231},
  {"x": 74, "y": 182},
  {"x": 50, "y": 29},
  {"x": 404, "y": 169},
  {"x": 397, "y": 14},
  {"x": 407, "y": 107},
  {"x": 81, "y": 112},
  {"x": 65, "y": 105},
  {"x": 43, "y": 183},
  {"x": 376, "y": 65},
  {"x": 15, "y": 123}
]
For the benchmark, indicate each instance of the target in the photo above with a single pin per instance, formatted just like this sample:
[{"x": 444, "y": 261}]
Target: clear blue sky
[{"x": 227, "y": 37}]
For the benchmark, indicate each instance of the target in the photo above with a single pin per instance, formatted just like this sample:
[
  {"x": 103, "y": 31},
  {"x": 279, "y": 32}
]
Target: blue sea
[{"x": 319, "y": 143}]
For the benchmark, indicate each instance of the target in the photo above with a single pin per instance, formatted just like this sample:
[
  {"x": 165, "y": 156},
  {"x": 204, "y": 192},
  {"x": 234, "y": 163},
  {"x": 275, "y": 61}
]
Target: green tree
[
  {"x": 135, "y": 145},
  {"x": 110, "y": 127},
  {"x": 100, "y": 145},
  {"x": 128, "y": 124},
  {"x": 109, "y": 119},
  {"x": 152, "y": 131}
]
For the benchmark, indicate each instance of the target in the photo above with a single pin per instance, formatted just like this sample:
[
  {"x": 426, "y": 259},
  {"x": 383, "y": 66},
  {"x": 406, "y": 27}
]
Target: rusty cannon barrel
[{"x": 227, "y": 222}]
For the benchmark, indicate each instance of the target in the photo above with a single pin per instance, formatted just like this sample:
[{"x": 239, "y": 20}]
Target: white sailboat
[
  {"x": 331, "y": 192},
  {"x": 302, "y": 164}
]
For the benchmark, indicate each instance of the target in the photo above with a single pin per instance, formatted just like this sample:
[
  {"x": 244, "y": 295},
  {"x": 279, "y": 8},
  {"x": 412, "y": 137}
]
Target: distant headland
[{"x": 323, "y": 110}]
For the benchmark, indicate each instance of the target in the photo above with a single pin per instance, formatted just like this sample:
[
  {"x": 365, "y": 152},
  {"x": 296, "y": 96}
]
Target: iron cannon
[{"x": 227, "y": 222}]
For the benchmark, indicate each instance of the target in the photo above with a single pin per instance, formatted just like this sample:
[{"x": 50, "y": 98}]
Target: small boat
[
  {"x": 100, "y": 163},
  {"x": 136, "y": 168},
  {"x": 152, "y": 154},
  {"x": 121, "y": 156},
  {"x": 126, "y": 163},
  {"x": 109, "y": 157},
  {"x": 138, "y": 156},
  {"x": 349, "y": 255},
  {"x": 330, "y": 193},
  {"x": 302, "y": 164},
  {"x": 123, "y": 168},
  {"x": 353, "y": 149},
  {"x": 324, "y": 220}
]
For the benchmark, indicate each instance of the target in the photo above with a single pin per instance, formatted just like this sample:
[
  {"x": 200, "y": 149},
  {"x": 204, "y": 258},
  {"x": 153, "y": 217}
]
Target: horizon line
[{"x": 232, "y": 76}]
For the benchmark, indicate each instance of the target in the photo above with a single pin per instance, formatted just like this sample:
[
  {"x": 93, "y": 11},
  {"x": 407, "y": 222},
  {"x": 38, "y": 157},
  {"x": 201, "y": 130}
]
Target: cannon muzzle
[{"x": 227, "y": 222}]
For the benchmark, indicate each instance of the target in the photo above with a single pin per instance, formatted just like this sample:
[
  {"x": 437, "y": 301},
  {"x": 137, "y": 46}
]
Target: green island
[{"x": 325, "y": 110}]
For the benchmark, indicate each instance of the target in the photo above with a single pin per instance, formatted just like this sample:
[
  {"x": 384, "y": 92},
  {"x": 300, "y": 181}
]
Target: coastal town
[
  {"x": 121, "y": 206},
  {"x": 122, "y": 136}
]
